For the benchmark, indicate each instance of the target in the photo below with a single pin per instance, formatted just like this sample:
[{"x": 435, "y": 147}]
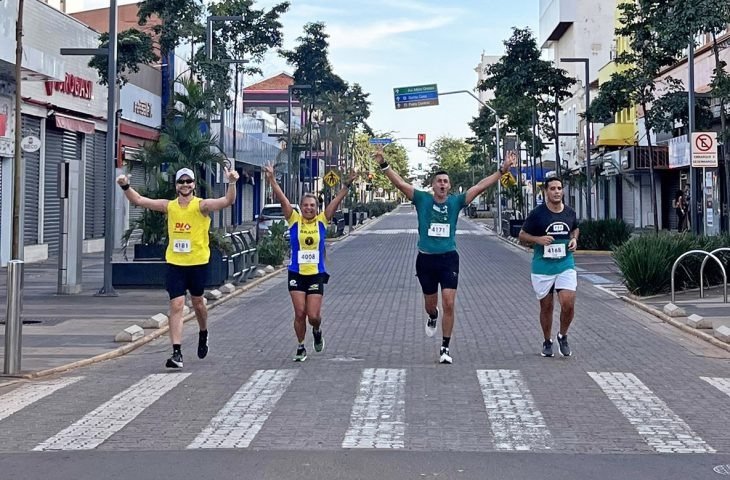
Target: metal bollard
[{"x": 13, "y": 320}]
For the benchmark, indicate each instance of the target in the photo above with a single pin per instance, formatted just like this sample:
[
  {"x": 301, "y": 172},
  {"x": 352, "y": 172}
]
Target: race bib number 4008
[
  {"x": 308, "y": 257},
  {"x": 181, "y": 246},
  {"x": 439, "y": 230},
  {"x": 554, "y": 250}
]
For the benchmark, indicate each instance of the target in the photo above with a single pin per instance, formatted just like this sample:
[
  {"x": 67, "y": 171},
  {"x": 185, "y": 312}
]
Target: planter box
[
  {"x": 143, "y": 252},
  {"x": 153, "y": 273}
]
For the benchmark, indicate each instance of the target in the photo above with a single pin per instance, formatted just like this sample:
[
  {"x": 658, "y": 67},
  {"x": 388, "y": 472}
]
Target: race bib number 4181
[{"x": 181, "y": 246}]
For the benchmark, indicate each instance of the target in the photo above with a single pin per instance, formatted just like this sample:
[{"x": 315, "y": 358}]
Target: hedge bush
[
  {"x": 273, "y": 248},
  {"x": 374, "y": 209},
  {"x": 646, "y": 262},
  {"x": 604, "y": 234}
]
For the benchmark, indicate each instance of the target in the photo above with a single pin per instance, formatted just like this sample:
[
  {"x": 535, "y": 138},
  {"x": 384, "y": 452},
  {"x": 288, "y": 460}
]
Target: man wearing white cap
[{"x": 188, "y": 252}]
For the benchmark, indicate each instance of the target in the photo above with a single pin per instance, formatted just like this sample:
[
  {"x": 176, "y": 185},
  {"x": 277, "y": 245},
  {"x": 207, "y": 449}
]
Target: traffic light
[{"x": 421, "y": 139}]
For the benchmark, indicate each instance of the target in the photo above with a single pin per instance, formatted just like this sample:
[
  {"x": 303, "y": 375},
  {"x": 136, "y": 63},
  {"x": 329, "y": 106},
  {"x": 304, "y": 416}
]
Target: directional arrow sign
[
  {"x": 380, "y": 141},
  {"x": 417, "y": 96}
]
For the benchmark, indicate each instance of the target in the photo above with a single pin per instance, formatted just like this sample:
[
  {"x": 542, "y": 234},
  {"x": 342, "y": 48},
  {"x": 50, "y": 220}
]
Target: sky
[{"x": 384, "y": 44}]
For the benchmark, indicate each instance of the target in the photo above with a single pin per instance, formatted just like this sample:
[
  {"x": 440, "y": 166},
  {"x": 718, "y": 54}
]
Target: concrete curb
[
  {"x": 667, "y": 319},
  {"x": 118, "y": 352}
]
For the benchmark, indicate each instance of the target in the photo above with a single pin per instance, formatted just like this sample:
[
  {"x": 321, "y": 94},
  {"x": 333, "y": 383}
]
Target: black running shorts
[
  {"x": 181, "y": 279},
  {"x": 309, "y": 284},
  {"x": 434, "y": 269}
]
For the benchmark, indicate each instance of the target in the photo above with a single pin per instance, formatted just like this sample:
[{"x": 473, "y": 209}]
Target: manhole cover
[{"x": 722, "y": 469}]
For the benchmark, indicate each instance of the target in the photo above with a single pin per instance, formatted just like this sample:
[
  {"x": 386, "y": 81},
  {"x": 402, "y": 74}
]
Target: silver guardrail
[
  {"x": 702, "y": 270},
  {"x": 707, "y": 255},
  {"x": 243, "y": 261}
]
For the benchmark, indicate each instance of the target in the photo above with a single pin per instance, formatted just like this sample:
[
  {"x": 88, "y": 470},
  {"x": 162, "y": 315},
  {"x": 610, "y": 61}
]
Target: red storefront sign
[{"x": 72, "y": 85}]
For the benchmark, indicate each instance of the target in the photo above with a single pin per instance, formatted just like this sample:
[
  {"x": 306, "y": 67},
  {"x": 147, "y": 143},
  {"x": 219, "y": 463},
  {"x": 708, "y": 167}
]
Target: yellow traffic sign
[
  {"x": 331, "y": 178},
  {"x": 508, "y": 180}
]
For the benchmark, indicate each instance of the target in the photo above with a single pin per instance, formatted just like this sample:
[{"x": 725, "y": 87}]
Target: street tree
[
  {"x": 644, "y": 24},
  {"x": 134, "y": 48},
  {"x": 711, "y": 17}
]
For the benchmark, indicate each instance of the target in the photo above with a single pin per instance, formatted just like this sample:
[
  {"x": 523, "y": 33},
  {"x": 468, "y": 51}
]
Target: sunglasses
[{"x": 185, "y": 181}]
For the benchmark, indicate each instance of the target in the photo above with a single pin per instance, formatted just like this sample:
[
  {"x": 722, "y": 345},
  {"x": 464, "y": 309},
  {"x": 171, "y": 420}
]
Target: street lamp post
[
  {"x": 111, "y": 127},
  {"x": 586, "y": 63},
  {"x": 293, "y": 186},
  {"x": 496, "y": 118}
]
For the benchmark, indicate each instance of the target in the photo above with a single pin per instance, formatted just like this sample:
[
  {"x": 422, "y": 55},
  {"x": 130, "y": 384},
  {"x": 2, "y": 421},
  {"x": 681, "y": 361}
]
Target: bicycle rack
[
  {"x": 707, "y": 255},
  {"x": 702, "y": 269}
]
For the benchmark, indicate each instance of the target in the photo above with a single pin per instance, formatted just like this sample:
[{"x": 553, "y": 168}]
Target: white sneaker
[
  {"x": 445, "y": 356},
  {"x": 431, "y": 324}
]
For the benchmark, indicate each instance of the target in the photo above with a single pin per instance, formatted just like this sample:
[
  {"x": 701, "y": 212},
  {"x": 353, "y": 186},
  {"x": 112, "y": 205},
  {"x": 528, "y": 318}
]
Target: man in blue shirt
[
  {"x": 553, "y": 230},
  {"x": 438, "y": 261}
]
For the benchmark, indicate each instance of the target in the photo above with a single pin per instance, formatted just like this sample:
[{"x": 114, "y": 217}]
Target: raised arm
[
  {"x": 215, "y": 204},
  {"x": 329, "y": 212},
  {"x": 286, "y": 207},
  {"x": 136, "y": 199},
  {"x": 393, "y": 176},
  {"x": 490, "y": 180}
]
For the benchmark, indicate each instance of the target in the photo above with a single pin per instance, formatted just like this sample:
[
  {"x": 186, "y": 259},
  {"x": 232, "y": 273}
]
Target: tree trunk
[
  {"x": 651, "y": 170},
  {"x": 725, "y": 138}
]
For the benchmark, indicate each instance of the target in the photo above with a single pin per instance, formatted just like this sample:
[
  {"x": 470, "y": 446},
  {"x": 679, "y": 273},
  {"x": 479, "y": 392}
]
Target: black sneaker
[
  {"x": 202, "y": 344},
  {"x": 445, "y": 356},
  {"x": 547, "y": 348},
  {"x": 175, "y": 361},
  {"x": 318, "y": 342},
  {"x": 301, "y": 354},
  {"x": 563, "y": 346}
]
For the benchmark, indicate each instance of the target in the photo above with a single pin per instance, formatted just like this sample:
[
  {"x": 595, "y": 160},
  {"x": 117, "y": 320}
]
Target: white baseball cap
[{"x": 184, "y": 171}]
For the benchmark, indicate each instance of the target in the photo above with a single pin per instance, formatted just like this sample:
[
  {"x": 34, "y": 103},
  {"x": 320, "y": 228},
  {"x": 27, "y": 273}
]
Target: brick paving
[{"x": 373, "y": 318}]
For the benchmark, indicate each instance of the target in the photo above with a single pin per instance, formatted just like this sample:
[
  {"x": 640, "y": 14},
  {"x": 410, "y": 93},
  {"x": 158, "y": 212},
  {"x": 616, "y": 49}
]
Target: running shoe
[
  {"x": 301, "y": 354},
  {"x": 318, "y": 341},
  {"x": 445, "y": 356},
  {"x": 175, "y": 361},
  {"x": 431, "y": 324},
  {"x": 563, "y": 346},
  {"x": 547, "y": 348},
  {"x": 202, "y": 344}
]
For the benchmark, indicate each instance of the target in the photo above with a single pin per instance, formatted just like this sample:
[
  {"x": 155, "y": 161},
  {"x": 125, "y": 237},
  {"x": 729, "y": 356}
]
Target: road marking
[
  {"x": 21, "y": 397},
  {"x": 722, "y": 384},
  {"x": 241, "y": 418},
  {"x": 516, "y": 422},
  {"x": 660, "y": 427},
  {"x": 96, "y": 427},
  {"x": 378, "y": 415},
  {"x": 414, "y": 231},
  {"x": 595, "y": 279}
]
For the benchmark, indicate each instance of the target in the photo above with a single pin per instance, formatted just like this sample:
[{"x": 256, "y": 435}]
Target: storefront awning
[{"x": 74, "y": 124}]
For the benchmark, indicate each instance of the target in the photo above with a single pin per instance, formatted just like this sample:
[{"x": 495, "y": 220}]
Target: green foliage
[
  {"x": 395, "y": 154},
  {"x": 646, "y": 262},
  {"x": 133, "y": 49},
  {"x": 181, "y": 144},
  {"x": 604, "y": 234},
  {"x": 374, "y": 209},
  {"x": 217, "y": 240},
  {"x": 273, "y": 248},
  {"x": 525, "y": 85},
  {"x": 180, "y": 21}
]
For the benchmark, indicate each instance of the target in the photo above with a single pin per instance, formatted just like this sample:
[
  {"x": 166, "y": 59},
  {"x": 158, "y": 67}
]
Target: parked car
[{"x": 270, "y": 213}]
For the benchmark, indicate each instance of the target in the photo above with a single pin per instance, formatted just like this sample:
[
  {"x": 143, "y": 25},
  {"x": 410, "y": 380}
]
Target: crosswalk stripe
[
  {"x": 378, "y": 414},
  {"x": 660, "y": 427},
  {"x": 516, "y": 422},
  {"x": 722, "y": 384},
  {"x": 241, "y": 418},
  {"x": 97, "y": 426},
  {"x": 21, "y": 397}
]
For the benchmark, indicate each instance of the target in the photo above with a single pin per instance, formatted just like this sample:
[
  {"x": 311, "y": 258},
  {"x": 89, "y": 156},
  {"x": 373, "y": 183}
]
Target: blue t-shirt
[
  {"x": 437, "y": 221},
  {"x": 542, "y": 221}
]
